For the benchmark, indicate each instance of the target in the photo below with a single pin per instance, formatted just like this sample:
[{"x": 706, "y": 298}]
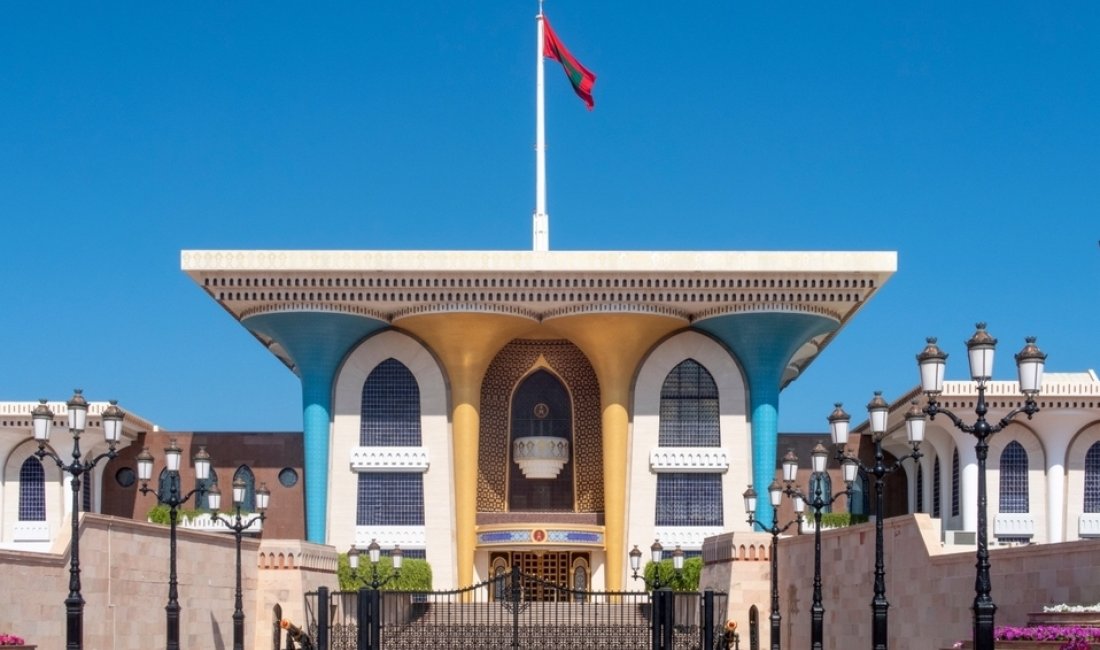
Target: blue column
[
  {"x": 764, "y": 344},
  {"x": 317, "y": 342}
]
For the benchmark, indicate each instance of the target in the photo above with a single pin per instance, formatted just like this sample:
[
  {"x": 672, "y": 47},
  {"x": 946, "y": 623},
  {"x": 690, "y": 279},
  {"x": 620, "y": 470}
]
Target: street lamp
[
  {"x": 1029, "y": 364},
  {"x": 775, "y": 493},
  {"x": 817, "y": 501},
  {"x": 172, "y": 496},
  {"x": 42, "y": 420},
  {"x": 238, "y": 526},
  {"x": 374, "y": 552},
  {"x": 656, "y": 553},
  {"x": 878, "y": 410}
]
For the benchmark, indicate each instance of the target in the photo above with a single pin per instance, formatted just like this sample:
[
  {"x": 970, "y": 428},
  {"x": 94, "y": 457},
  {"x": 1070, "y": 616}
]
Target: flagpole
[{"x": 541, "y": 226}]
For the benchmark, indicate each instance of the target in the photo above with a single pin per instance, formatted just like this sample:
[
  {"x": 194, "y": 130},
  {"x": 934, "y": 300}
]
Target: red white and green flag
[{"x": 579, "y": 76}]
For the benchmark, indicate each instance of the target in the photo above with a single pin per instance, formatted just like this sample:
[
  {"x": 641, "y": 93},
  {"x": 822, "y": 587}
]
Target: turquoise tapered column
[
  {"x": 764, "y": 344},
  {"x": 318, "y": 343}
]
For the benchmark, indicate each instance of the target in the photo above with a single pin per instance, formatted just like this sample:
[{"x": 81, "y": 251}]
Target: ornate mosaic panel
[{"x": 513, "y": 363}]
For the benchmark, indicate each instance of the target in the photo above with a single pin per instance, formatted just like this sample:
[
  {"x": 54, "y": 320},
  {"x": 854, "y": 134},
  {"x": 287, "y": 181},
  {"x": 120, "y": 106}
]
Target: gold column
[
  {"x": 465, "y": 344},
  {"x": 615, "y": 345}
]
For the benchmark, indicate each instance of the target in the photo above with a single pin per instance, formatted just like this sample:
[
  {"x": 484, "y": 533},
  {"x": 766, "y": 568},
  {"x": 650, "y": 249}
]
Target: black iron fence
[{"x": 516, "y": 611}]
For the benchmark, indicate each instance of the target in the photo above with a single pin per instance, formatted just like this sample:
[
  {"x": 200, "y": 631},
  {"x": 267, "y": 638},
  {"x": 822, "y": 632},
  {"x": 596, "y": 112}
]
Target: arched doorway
[{"x": 542, "y": 414}]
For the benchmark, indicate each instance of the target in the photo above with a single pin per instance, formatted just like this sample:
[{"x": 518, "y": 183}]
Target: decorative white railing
[
  {"x": 689, "y": 459},
  {"x": 31, "y": 531},
  {"x": 688, "y": 538},
  {"x": 389, "y": 459},
  {"x": 1088, "y": 524},
  {"x": 389, "y": 536},
  {"x": 205, "y": 522},
  {"x": 1013, "y": 524}
]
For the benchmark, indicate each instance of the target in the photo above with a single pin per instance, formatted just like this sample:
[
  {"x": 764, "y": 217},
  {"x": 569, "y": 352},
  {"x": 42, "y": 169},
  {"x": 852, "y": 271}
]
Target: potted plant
[{"x": 11, "y": 642}]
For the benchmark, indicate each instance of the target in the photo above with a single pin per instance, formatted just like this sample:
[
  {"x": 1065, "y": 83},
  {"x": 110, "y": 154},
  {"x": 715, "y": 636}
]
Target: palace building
[{"x": 550, "y": 409}]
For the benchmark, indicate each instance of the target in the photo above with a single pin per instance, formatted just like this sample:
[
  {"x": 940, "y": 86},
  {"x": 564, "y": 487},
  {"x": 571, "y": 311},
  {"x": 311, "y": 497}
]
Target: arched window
[
  {"x": 390, "y": 408},
  {"x": 824, "y": 482},
  {"x": 32, "y": 491},
  {"x": 86, "y": 489},
  {"x": 955, "y": 483},
  {"x": 201, "y": 501},
  {"x": 936, "y": 488},
  {"x": 689, "y": 408},
  {"x": 1092, "y": 478},
  {"x": 245, "y": 473},
  {"x": 541, "y": 407},
  {"x": 859, "y": 505},
  {"x": 390, "y": 417},
  {"x": 920, "y": 487},
  {"x": 1014, "y": 496}
]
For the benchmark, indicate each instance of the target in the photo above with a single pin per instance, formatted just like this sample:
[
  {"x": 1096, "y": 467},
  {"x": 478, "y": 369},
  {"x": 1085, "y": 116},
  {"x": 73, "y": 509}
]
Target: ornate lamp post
[
  {"x": 42, "y": 419},
  {"x": 369, "y": 605},
  {"x": 173, "y": 497},
  {"x": 656, "y": 553},
  {"x": 878, "y": 410},
  {"x": 775, "y": 493},
  {"x": 374, "y": 552},
  {"x": 662, "y": 618},
  {"x": 817, "y": 501},
  {"x": 238, "y": 525},
  {"x": 1029, "y": 364}
]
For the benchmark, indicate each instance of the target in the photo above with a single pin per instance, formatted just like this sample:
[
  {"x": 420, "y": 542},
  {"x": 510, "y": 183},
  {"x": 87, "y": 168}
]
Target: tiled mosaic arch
[{"x": 513, "y": 363}]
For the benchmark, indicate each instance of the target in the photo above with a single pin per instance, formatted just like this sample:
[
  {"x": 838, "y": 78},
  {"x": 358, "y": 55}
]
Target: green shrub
[
  {"x": 416, "y": 575},
  {"x": 841, "y": 519},
  {"x": 688, "y": 580}
]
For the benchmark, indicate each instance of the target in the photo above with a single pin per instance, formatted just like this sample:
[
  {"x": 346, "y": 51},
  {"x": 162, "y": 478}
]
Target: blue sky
[{"x": 965, "y": 136}]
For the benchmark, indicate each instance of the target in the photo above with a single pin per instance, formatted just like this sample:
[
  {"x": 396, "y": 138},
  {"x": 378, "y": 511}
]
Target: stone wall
[
  {"x": 124, "y": 581},
  {"x": 930, "y": 588}
]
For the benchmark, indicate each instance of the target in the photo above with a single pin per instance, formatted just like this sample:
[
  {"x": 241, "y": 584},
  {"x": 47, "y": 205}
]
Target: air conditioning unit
[{"x": 960, "y": 538}]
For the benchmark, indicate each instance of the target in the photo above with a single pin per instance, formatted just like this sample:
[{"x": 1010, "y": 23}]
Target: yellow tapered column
[
  {"x": 615, "y": 345},
  {"x": 465, "y": 344}
]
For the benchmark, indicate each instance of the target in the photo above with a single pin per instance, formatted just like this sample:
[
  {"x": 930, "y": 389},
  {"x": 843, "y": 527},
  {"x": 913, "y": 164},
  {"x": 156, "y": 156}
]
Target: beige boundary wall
[
  {"x": 930, "y": 589},
  {"x": 124, "y": 581}
]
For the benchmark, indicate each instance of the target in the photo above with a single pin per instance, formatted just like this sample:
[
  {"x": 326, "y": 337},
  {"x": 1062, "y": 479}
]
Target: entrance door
[{"x": 554, "y": 570}]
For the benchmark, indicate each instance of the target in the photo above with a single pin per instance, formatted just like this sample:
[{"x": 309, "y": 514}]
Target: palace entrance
[{"x": 555, "y": 571}]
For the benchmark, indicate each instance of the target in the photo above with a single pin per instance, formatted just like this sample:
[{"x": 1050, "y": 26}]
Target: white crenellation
[
  {"x": 688, "y": 538},
  {"x": 1014, "y": 524},
  {"x": 389, "y": 459},
  {"x": 407, "y": 537},
  {"x": 689, "y": 459}
]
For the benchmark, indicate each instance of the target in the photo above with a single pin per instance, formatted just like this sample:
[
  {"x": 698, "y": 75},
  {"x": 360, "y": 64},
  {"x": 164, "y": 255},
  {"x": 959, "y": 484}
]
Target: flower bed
[{"x": 1044, "y": 637}]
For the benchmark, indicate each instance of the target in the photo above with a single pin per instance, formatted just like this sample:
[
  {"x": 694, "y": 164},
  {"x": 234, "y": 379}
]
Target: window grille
[
  {"x": 1014, "y": 496},
  {"x": 688, "y": 499},
  {"x": 390, "y": 407},
  {"x": 32, "y": 491},
  {"x": 689, "y": 408}
]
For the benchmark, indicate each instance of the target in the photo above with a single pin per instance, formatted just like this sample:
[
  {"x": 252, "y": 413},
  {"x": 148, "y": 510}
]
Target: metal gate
[{"x": 513, "y": 611}]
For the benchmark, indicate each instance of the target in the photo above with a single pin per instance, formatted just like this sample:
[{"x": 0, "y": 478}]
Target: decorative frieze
[
  {"x": 1014, "y": 524},
  {"x": 407, "y": 537},
  {"x": 689, "y": 459},
  {"x": 389, "y": 459},
  {"x": 688, "y": 538}
]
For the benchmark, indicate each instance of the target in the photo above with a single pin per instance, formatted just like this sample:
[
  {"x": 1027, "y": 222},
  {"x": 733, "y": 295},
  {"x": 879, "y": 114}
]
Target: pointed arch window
[
  {"x": 1014, "y": 489},
  {"x": 390, "y": 407},
  {"x": 936, "y": 488},
  {"x": 244, "y": 472},
  {"x": 1092, "y": 478},
  {"x": 201, "y": 502},
  {"x": 86, "y": 489},
  {"x": 825, "y": 483},
  {"x": 689, "y": 408},
  {"x": 861, "y": 496},
  {"x": 920, "y": 487},
  {"x": 32, "y": 491},
  {"x": 955, "y": 483}
]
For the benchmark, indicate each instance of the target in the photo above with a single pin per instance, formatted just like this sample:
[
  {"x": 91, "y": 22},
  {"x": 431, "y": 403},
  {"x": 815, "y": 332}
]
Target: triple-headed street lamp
[
  {"x": 172, "y": 496},
  {"x": 374, "y": 553},
  {"x": 817, "y": 502},
  {"x": 1029, "y": 364},
  {"x": 878, "y": 410},
  {"x": 775, "y": 493},
  {"x": 238, "y": 525},
  {"x": 368, "y": 609},
  {"x": 662, "y": 615},
  {"x": 42, "y": 419},
  {"x": 656, "y": 553}
]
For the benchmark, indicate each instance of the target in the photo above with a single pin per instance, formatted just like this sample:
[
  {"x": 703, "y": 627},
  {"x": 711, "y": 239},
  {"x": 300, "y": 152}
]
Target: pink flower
[{"x": 11, "y": 639}]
